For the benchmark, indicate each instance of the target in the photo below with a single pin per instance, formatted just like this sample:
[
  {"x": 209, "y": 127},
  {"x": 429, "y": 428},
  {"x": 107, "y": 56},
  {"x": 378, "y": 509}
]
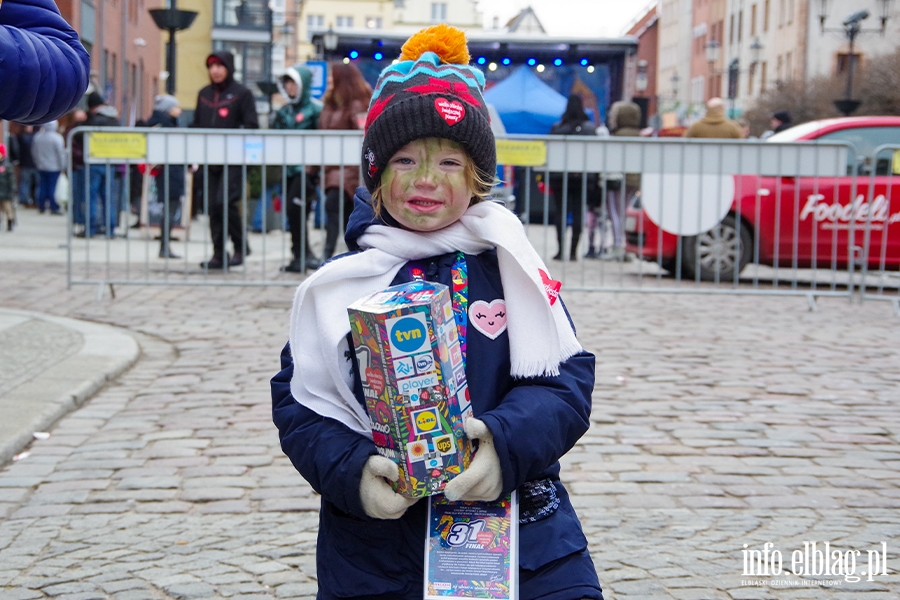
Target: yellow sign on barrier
[
  {"x": 521, "y": 153},
  {"x": 896, "y": 169},
  {"x": 117, "y": 145}
]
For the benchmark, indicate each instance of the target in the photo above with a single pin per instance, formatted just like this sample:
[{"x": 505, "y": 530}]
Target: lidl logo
[
  {"x": 407, "y": 334},
  {"x": 425, "y": 421}
]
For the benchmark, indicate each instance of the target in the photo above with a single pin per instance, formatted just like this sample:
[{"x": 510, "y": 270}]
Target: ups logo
[{"x": 444, "y": 444}]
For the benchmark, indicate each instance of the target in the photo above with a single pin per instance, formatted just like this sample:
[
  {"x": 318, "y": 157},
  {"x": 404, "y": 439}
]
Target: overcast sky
[{"x": 575, "y": 18}]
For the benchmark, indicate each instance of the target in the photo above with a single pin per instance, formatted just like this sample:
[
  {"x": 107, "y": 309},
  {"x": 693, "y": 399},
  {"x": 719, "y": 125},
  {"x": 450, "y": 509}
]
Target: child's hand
[
  {"x": 482, "y": 480},
  {"x": 378, "y": 499}
]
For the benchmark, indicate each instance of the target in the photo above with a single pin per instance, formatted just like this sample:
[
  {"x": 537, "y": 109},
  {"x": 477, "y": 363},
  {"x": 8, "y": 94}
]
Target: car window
[{"x": 866, "y": 140}]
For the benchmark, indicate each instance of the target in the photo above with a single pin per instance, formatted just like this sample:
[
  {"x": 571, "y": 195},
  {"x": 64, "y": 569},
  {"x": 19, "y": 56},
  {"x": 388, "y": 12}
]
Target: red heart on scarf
[
  {"x": 223, "y": 112},
  {"x": 451, "y": 111},
  {"x": 551, "y": 286},
  {"x": 299, "y": 118}
]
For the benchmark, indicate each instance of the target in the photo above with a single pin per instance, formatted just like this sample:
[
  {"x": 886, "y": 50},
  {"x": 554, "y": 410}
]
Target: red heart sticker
[
  {"x": 551, "y": 286},
  {"x": 484, "y": 538},
  {"x": 299, "y": 118},
  {"x": 223, "y": 112},
  {"x": 375, "y": 379},
  {"x": 451, "y": 111}
]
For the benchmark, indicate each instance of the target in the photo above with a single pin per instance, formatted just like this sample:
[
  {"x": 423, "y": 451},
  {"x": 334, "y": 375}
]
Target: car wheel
[{"x": 720, "y": 253}]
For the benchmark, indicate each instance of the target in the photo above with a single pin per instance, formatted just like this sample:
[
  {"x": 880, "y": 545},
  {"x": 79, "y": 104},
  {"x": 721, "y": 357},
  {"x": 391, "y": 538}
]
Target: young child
[
  {"x": 428, "y": 159},
  {"x": 7, "y": 190}
]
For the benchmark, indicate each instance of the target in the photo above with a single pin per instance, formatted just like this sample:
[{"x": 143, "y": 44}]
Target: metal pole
[
  {"x": 170, "y": 63},
  {"x": 852, "y": 30},
  {"x": 124, "y": 49}
]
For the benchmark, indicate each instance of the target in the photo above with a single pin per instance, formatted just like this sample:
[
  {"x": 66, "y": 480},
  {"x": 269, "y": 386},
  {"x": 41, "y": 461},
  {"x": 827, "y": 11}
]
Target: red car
[{"x": 795, "y": 221}]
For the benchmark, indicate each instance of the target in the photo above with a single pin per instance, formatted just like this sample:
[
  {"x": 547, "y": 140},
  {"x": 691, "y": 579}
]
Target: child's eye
[{"x": 403, "y": 160}]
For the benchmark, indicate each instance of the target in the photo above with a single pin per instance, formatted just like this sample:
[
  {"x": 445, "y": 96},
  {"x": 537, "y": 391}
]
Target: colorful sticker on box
[
  {"x": 444, "y": 444},
  {"x": 407, "y": 334},
  {"x": 424, "y": 363},
  {"x": 425, "y": 421}
]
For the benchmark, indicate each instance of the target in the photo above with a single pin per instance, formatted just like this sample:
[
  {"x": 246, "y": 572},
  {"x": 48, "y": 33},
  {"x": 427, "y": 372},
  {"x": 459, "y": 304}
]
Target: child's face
[{"x": 424, "y": 185}]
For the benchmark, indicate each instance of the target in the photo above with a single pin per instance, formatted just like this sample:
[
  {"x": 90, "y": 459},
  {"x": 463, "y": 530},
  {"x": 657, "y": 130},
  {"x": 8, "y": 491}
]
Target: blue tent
[{"x": 525, "y": 103}]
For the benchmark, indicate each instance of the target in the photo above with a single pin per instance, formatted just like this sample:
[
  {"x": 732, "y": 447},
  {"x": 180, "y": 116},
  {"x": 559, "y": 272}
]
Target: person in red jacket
[{"x": 225, "y": 104}]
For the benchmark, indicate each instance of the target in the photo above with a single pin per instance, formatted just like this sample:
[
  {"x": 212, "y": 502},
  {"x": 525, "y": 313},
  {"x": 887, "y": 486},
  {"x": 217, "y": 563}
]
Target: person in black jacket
[
  {"x": 169, "y": 178},
  {"x": 574, "y": 121},
  {"x": 225, "y": 104}
]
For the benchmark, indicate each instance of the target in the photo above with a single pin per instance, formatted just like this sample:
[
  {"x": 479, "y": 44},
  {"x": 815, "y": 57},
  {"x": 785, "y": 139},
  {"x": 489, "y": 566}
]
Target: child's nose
[{"x": 425, "y": 179}]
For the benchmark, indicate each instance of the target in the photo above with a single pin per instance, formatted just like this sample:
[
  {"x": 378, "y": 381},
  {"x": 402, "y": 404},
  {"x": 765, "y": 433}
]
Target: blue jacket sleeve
[
  {"x": 327, "y": 453},
  {"x": 540, "y": 419},
  {"x": 43, "y": 66}
]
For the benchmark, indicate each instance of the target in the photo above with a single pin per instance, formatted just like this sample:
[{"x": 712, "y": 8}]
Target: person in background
[
  {"x": 49, "y": 152},
  {"x": 44, "y": 69},
  {"x": 780, "y": 121},
  {"x": 714, "y": 124},
  {"x": 20, "y": 155},
  {"x": 574, "y": 121},
  {"x": 99, "y": 214},
  {"x": 225, "y": 104},
  {"x": 624, "y": 121},
  {"x": 7, "y": 189},
  {"x": 169, "y": 178},
  {"x": 300, "y": 112},
  {"x": 346, "y": 101}
]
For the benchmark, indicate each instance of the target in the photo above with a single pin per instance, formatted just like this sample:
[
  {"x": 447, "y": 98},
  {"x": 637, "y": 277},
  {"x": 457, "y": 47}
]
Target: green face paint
[{"x": 424, "y": 185}]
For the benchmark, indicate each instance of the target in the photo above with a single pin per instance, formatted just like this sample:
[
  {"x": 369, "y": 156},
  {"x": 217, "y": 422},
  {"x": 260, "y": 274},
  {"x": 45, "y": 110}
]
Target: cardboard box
[{"x": 414, "y": 382}]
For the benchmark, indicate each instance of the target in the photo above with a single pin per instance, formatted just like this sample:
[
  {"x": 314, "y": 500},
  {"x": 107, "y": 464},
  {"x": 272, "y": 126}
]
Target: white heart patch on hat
[
  {"x": 489, "y": 319},
  {"x": 451, "y": 111}
]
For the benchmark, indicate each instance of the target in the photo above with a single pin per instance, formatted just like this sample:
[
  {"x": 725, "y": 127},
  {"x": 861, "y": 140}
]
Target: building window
[
  {"x": 248, "y": 14},
  {"x": 345, "y": 22},
  {"x": 753, "y": 20},
  {"x": 751, "y": 75},
  {"x": 731, "y": 29},
  {"x": 314, "y": 24},
  {"x": 251, "y": 61},
  {"x": 740, "y": 25},
  {"x": 843, "y": 61},
  {"x": 373, "y": 22},
  {"x": 766, "y": 16},
  {"x": 788, "y": 66},
  {"x": 762, "y": 77},
  {"x": 438, "y": 12},
  {"x": 790, "y": 12},
  {"x": 779, "y": 67},
  {"x": 780, "y": 14}
]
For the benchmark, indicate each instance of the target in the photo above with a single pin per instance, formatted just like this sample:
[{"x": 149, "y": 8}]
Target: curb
[{"x": 60, "y": 388}]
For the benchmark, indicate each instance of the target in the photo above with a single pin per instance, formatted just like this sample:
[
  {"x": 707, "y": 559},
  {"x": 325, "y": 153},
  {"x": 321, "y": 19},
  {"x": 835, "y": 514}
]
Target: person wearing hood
[
  {"x": 300, "y": 112},
  {"x": 780, "y": 121},
  {"x": 225, "y": 104},
  {"x": 100, "y": 214},
  {"x": 170, "y": 178},
  {"x": 714, "y": 124},
  {"x": 48, "y": 149},
  {"x": 624, "y": 121}
]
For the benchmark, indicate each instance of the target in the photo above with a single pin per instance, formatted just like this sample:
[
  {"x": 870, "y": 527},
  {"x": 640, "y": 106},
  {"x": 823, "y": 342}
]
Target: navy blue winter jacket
[
  {"x": 43, "y": 67},
  {"x": 534, "y": 422}
]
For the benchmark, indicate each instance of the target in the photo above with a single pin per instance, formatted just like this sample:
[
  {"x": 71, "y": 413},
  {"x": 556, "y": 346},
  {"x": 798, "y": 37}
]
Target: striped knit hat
[{"x": 431, "y": 92}]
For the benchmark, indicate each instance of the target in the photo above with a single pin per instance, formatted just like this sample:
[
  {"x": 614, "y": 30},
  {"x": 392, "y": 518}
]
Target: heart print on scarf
[{"x": 489, "y": 319}]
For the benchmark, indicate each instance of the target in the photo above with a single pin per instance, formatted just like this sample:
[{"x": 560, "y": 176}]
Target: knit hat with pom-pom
[{"x": 431, "y": 91}]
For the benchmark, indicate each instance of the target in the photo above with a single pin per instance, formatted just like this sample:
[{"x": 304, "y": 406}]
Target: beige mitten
[
  {"x": 483, "y": 479},
  {"x": 378, "y": 499}
]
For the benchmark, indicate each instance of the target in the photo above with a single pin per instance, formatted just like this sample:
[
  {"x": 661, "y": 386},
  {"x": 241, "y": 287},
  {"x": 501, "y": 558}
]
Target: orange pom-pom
[{"x": 449, "y": 43}]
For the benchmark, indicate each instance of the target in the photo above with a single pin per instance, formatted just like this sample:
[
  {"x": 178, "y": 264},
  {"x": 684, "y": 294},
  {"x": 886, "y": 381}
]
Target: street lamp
[
  {"x": 712, "y": 51},
  {"x": 171, "y": 19},
  {"x": 851, "y": 28},
  {"x": 640, "y": 79}
]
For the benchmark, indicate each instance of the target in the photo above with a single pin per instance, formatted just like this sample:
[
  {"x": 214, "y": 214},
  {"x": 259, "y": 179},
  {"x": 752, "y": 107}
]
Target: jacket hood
[
  {"x": 227, "y": 59},
  {"x": 715, "y": 114},
  {"x": 303, "y": 78},
  {"x": 108, "y": 111},
  {"x": 51, "y": 126},
  {"x": 362, "y": 217},
  {"x": 624, "y": 115}
]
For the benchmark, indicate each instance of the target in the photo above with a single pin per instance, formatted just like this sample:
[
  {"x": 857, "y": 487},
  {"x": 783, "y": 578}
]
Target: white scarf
[{"x": 540, "y": 335}]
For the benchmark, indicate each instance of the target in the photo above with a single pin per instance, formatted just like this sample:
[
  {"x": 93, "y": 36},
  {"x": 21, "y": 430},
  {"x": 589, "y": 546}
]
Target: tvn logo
[{"x": 407, "y": 334}]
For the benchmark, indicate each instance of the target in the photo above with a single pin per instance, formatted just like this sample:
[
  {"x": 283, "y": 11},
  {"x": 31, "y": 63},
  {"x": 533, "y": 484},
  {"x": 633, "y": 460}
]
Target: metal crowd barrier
[{"x": 661, "y": 215}]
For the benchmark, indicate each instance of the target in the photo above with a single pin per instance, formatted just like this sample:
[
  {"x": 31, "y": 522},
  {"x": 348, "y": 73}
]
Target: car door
[{"x": 866, "y": 216}]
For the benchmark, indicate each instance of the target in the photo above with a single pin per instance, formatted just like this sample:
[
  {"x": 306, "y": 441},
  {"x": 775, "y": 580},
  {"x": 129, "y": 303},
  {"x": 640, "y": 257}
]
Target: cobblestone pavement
[{"x": 718, "y": 422}]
